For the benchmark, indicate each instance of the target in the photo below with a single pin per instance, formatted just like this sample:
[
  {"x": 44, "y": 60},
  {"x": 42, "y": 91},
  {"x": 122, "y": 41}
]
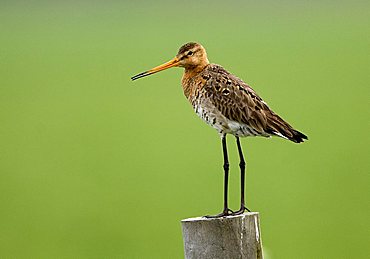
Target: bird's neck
[{"x": 188, "y": 82}]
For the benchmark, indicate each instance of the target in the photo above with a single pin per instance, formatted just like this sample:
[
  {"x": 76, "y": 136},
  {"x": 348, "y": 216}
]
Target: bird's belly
[
  {"x": 223, "y": 125},
  {"x": 211, "y": 117}
]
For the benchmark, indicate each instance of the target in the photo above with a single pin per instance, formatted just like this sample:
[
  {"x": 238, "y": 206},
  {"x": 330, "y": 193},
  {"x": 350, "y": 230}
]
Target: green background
[{"x": 93, "y": 165}]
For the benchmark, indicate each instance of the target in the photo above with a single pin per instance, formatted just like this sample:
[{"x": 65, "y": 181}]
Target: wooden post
[{"x": 231, "y": 237}]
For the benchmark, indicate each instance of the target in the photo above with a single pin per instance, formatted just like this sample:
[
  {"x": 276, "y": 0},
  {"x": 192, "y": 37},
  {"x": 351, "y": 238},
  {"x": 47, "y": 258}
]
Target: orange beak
[{"x": 172, "y": 63}]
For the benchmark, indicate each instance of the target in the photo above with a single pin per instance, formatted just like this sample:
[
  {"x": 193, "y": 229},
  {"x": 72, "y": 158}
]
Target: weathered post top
[{"x": 231, "y": 237}]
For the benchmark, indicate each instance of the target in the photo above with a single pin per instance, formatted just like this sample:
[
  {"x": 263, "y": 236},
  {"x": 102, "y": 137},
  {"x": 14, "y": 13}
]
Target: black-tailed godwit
[{"x": 227, "y": 104}]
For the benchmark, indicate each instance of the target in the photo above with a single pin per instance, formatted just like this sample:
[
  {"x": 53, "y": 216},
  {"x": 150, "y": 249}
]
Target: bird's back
[{"x": 231, "y": 106}]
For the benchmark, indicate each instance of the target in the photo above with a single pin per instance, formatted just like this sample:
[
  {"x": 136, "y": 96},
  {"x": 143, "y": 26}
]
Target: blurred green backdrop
[{"x": 93, "y": 165}]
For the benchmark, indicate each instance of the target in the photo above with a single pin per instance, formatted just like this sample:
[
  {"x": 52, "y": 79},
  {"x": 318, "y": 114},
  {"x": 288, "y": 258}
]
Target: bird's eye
[{"x": 190, "y": 53}]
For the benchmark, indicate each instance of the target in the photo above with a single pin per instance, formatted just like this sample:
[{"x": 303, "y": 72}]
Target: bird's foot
[
  {"x": 240, "y": 211},
  {"x": 226, "y": 212}
]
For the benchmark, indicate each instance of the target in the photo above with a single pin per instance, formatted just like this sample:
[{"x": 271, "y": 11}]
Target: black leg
[
  {"x": 226, "y": 211},
  {"x": 226, "y": 171},
  {"x": 242, "y": 179}
]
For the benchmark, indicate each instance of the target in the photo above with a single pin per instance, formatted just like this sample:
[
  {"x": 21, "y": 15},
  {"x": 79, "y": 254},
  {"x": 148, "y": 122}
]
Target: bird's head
[{"x": 190, "y": 56}]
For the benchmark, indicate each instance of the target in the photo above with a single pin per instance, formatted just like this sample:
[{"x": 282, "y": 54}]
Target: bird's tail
[
  {"x": 298, "y": 137},
  {"x": 277, "y": 126}
]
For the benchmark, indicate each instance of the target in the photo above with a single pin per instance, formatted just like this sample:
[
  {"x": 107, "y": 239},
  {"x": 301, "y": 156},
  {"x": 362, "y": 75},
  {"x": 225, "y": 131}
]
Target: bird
[{"x": 227, "y": 104}]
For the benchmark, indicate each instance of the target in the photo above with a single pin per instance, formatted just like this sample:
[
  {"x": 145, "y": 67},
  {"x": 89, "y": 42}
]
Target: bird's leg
[
  {"x": 242, "y": 180},
  {"x": 226, "y": 211}
]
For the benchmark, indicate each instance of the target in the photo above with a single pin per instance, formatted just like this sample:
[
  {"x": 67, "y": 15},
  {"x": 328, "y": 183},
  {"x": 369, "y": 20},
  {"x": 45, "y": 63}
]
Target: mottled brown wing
[
  {"x": 239, "y": 102},
  {"x": 235, "y": 99}
]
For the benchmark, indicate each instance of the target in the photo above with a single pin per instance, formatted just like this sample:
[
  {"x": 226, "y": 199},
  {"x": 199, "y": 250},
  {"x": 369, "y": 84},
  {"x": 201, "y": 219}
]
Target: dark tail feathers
[
  {"x": 277, "y": 126},
  {"x": 298, "y": 137}
]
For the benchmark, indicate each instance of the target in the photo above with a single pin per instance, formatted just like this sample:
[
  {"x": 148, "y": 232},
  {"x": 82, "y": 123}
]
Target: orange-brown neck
[{"x": 189, "y": 78}]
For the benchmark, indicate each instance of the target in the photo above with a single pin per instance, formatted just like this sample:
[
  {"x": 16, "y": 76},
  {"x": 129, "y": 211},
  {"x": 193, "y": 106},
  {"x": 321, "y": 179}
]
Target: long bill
[{"x": 172, "y": 63}]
